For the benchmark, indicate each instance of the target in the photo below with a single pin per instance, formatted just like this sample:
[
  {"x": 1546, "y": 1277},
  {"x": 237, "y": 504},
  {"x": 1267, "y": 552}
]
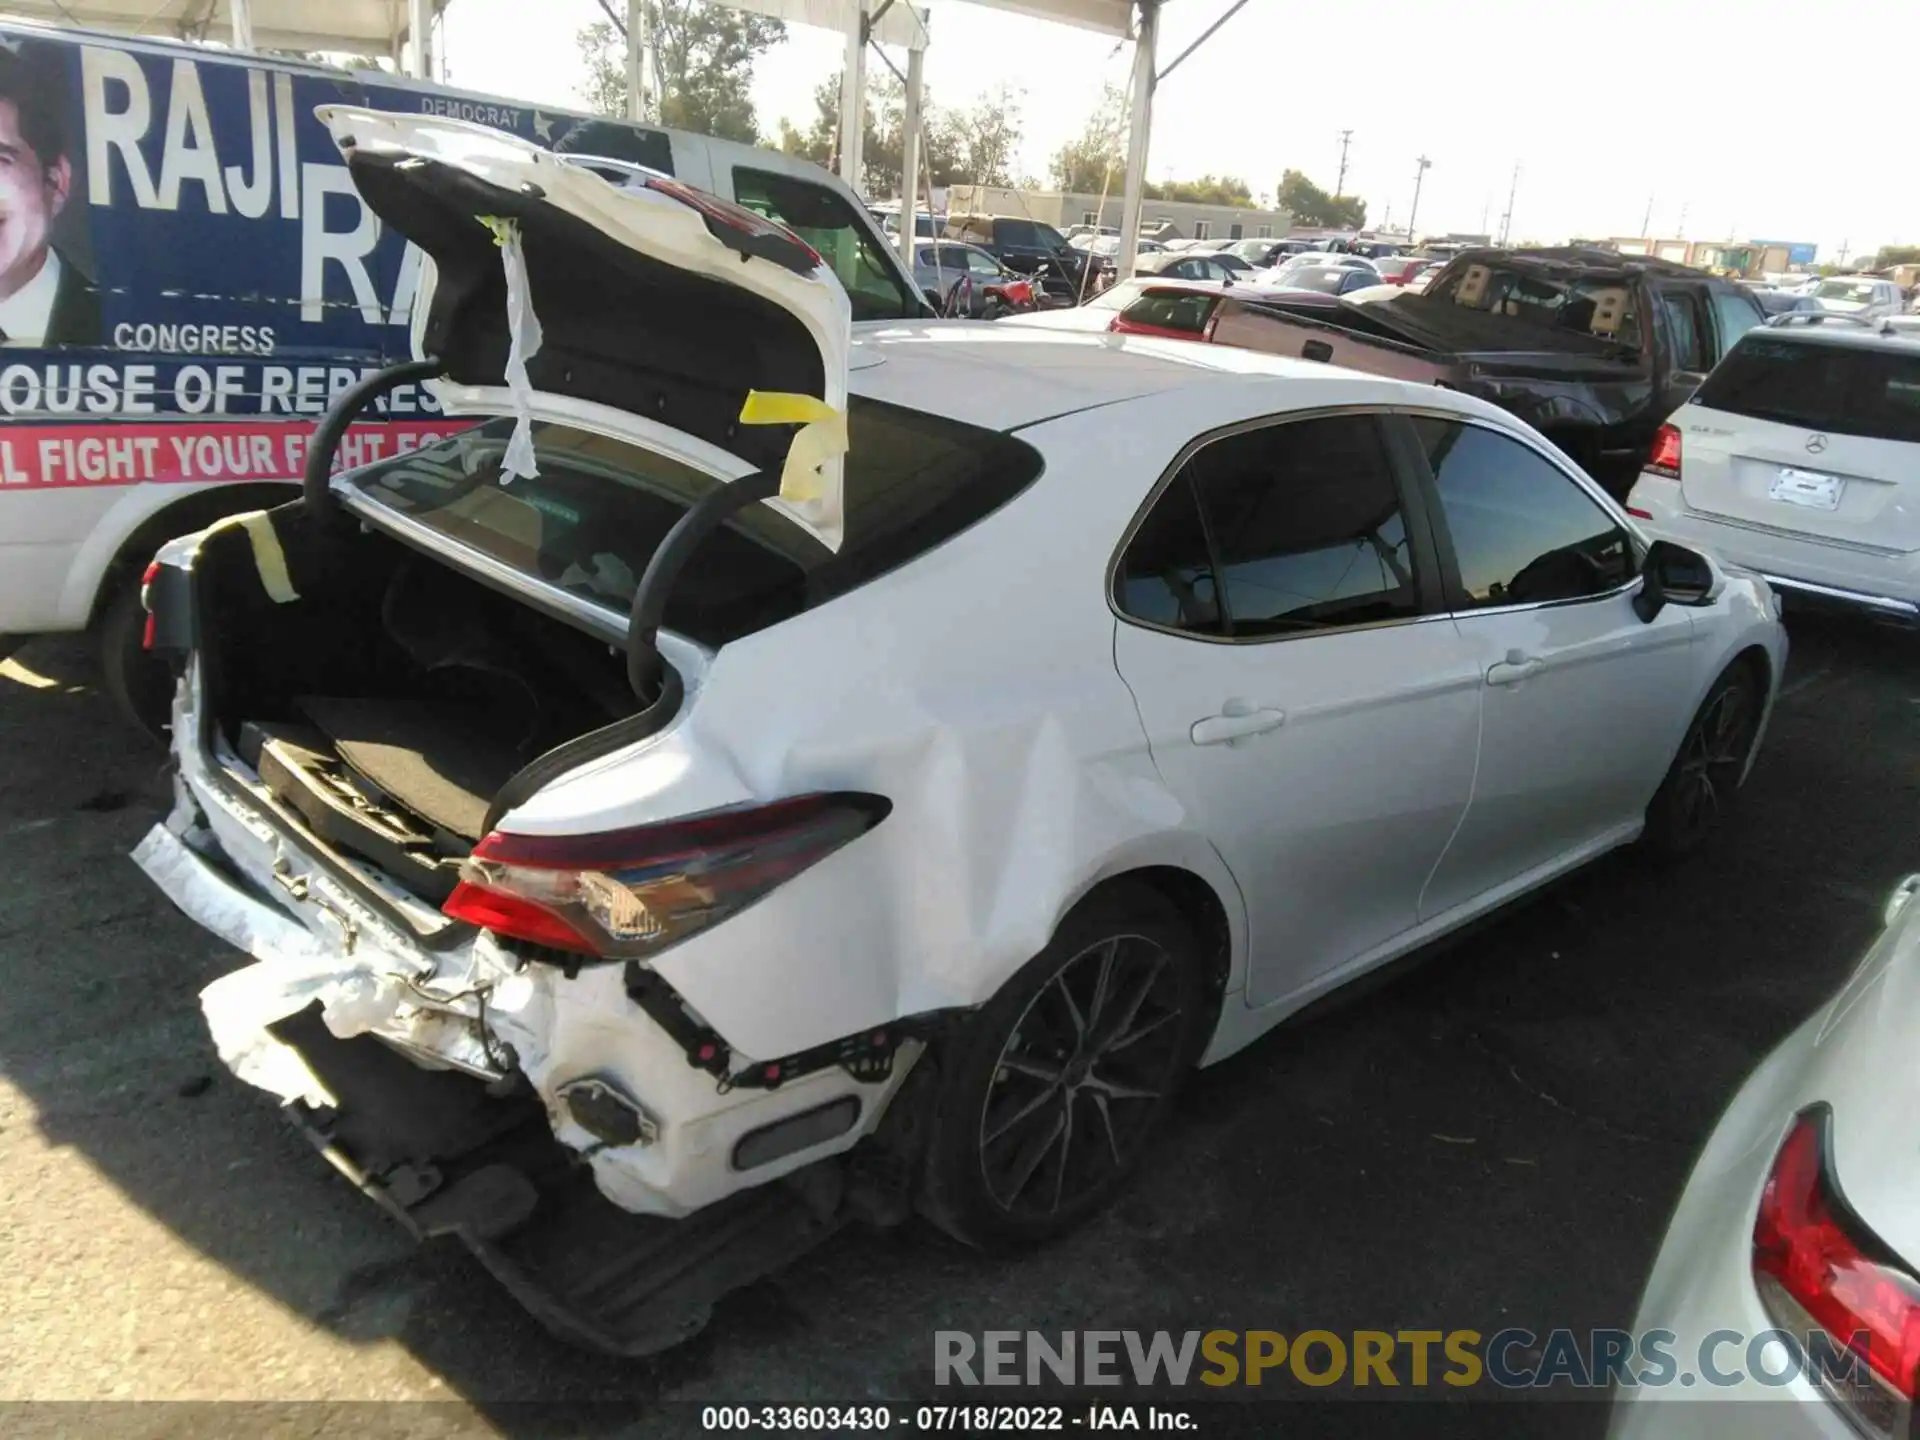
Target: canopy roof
[{"x": 348, "y": 26}]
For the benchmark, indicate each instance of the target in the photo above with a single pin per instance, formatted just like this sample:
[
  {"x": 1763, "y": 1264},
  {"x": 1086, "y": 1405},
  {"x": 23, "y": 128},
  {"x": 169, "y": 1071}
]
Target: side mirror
[{"x": 1673, "y": 575}]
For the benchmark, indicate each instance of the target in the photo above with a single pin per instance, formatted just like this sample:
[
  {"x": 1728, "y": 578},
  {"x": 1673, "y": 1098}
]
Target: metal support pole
[
  {"x": 242, "y": 24},
  {"x": 853, "y": 96},
  {"x": 1146, "y": 37},
  {"x": 639, "y": 67},
  {"x": 417, "y": 31},
  {"x": 910, "y": 156},
  {"x": 1419, "y": 174}
]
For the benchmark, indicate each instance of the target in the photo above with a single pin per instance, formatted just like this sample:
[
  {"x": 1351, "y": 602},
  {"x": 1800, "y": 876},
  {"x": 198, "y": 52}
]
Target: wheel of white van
[
  {"x": 1705, "y": 774},
  {"x": 139, "y": 683},
  {"x": 1056, "y": 1087}
]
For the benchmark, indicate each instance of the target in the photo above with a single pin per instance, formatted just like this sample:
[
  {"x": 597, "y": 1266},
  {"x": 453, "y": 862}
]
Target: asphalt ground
[{"x": 1491, "y": 1137}]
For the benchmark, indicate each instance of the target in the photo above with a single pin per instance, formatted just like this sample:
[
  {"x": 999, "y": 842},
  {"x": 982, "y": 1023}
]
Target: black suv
[{"x": 1034, "y": 248}]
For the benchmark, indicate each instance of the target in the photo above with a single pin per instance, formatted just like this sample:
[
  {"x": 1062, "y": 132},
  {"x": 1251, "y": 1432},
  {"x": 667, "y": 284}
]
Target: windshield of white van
[
  {"x": 831, "y": 226},
  {"x": 592, "y": 518}
]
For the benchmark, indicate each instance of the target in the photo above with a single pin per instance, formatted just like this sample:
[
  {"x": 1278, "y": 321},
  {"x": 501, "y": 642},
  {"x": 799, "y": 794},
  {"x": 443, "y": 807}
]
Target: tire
[
  {"x": 1707, "y": 769},
  {"x": 139, "y": 683},
  {"x": 1051, "y": 1060}
]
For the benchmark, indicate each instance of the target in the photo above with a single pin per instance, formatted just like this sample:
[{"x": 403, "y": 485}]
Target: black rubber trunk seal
[{"x": 316, "y": 478}]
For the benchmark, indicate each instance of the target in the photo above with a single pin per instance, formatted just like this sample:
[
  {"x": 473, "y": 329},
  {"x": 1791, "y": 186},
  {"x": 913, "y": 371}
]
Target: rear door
[
  {"x": 1817, "y": 437},
  {"x": 1305, "y": 700}
]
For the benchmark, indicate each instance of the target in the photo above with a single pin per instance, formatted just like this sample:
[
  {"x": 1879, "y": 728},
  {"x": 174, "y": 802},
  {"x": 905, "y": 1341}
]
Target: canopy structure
[
  {"x": 357, "y": 27},
  {"x": 898, "y": 22}
]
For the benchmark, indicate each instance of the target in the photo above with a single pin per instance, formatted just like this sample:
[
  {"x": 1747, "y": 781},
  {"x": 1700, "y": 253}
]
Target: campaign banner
[
  {"x": 178, "y": 233},
  {"x": 182, "y": 452}
]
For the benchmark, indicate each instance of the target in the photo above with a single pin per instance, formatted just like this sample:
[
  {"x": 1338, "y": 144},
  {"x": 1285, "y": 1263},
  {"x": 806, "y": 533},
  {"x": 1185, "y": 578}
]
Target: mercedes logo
[{"x": 1816, "y": 444}]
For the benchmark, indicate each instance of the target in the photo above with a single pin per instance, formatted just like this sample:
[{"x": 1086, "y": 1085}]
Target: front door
[
  {"x": 1306, "y": 702},
  {"x": 1584, "y": 702}
]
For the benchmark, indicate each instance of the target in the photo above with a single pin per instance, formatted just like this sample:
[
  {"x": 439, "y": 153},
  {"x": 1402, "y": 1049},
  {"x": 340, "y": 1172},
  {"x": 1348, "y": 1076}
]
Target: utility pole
[
  {"x": 1506, "y": 220},
  {"x": 1681, "y": 233},
  {"x": 1843, "y": 253},
  {"x": 1340, "y": 184},
  {"x": 1419, "y": 174},
  {"x": 1646, "y": 221}
]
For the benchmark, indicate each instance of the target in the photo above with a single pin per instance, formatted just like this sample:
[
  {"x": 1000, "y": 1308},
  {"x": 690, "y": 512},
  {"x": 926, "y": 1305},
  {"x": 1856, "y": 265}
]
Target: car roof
[
  {"x": 1894, "y": 334},
  {"x": 1003, "y": 377}
]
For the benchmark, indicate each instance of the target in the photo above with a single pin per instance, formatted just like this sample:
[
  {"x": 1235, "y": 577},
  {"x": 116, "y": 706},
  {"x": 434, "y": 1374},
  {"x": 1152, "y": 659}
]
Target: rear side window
[
  {"x": 1184, "y": 310},
  {"x": 1683, "y": 327},
  {"x": 845, "y": 237},
  {"x": 1283, "y": 530},
  {"x": 592, "y": 518},
  {"x": 1736, "y": 314},
  {"x": 1845, "y": 389}
]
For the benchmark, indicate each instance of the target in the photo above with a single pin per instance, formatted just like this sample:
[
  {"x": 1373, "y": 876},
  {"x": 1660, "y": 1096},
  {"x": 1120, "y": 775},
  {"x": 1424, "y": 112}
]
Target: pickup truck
[
  {"x": 1592, "y": 348},
  {"x": 1034, "y": 248}
]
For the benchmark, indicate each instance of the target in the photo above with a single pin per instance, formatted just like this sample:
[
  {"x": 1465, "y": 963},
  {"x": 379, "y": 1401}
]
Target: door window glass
[
  {"x": 1683, "y": 324},
  {"x": 1308, "y": 525},
  {"x": 852, "y": 249},
  {"x": 1523, "y": 531},
  {"x": 1737, "y": 314}
]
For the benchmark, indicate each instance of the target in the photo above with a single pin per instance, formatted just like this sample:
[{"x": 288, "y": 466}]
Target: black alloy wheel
[
  {"x": 1053, "y": 1093},
  {"x": 1071, "y": 1100},
  {"x": 1707, "y": 771}
]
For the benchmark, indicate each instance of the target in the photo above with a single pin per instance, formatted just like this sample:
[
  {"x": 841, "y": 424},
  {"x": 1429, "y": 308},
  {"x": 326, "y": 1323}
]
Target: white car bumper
[
  {"x": 469, "y": 1006},
  {"x": 1872, "y": 580}
]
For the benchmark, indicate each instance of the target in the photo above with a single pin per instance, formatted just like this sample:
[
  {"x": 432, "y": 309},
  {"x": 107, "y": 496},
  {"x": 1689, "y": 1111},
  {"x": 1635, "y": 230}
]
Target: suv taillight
[
  {"x": 1664, "y": 459},
  {"x": 1816, "y": 1264},
  {"x": 629, "y": 894}
]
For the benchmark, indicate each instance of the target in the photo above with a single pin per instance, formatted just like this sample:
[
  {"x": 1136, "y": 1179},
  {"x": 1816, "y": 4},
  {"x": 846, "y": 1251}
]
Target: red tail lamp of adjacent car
[
  {"x": 627, "y": 894},
  {"x": 1817, "y": 1265},
  {"x": 1664, "y": 458}
]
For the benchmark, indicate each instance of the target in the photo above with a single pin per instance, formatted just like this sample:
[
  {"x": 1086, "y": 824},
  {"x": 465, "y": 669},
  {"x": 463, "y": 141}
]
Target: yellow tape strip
[
  {"x": 822, "y": 437},
  {"x": 269, "y": 560}
]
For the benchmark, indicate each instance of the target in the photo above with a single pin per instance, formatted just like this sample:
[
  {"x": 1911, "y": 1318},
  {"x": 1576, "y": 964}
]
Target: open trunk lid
[
  {"x": 660, "y": 309},
  {"x": 1816, "y": 438}
]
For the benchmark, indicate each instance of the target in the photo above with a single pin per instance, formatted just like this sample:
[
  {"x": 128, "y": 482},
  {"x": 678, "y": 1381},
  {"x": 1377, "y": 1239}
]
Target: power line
[{"x": 1340, "y": 185}]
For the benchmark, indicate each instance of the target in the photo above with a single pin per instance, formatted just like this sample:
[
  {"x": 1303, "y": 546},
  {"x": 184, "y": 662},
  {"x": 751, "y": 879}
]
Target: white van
[{"x": 188, "y": 277}]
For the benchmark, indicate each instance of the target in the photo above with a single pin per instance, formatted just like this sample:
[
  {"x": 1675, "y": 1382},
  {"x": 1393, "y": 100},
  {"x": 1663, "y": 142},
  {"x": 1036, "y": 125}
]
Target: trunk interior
[{"x": 390, "y": 701}]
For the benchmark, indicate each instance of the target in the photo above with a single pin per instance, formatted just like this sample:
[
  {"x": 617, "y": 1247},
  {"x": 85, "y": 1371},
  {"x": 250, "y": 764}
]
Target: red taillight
[
  {"x": 1665, "y": 458},
  {"x": 632, "y": 893},
  {"x": 1638, "y": 513},
  {"x": 1810, "y": 1249},
  {"x": 146, "y": 604}
]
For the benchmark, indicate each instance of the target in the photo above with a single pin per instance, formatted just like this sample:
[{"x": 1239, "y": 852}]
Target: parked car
[
  {"x": 1189, "y": 266},
  {"x": 1784, "y": 302},
  {"x": 1595, "y": 349},
  {"x": 966, "y": 281},
  {"x": 1800, "y": 458},
  {"x": 1793, "y": 1259},
  {"x": 1400, "y": 269},
  {"x": 589, "y": 919},
  {"x": 211, "y": 332},
  {"x": 1107, "y": 246},
  {"x": 1292, "y": 279},
  {"x": 1866, "y": 296},
  {"x": 1308, "y": 260},
  {"x": 1139, "y": 306},
  {"x": 1035, "y": 249}
]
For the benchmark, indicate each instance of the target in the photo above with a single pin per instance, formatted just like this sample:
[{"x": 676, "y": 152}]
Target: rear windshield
[
  {"x": 1843, "y": 389},
  {"x": 1602, "y": 307},
  {"x": 592, "y": 518},
  {"x": 1187, "y": 310}
]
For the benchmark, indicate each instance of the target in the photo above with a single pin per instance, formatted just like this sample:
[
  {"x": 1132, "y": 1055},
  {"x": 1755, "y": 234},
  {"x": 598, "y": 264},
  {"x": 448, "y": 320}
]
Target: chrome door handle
[
  {"x": 1230, "y": 725},
  {"x": 1516, "y": 667}
]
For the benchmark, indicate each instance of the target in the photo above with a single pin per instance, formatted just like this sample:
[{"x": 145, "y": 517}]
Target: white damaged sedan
[{"x": 760, "y": 776}]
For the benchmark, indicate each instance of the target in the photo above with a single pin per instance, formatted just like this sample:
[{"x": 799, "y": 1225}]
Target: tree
[
  {"x": 986, "y": 136},
  {"x": 1310, "y": 205},
  {"x": 1891, "y": 255},
  {"x": 883, "y": 134},
  {"x": 1090, "y": 163},
  {"x": 1207, "y": 190},
  {"x": 704, "y": 56}
]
